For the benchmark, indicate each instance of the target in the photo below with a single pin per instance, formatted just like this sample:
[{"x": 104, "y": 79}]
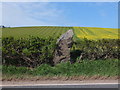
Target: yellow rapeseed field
[{"x": 95, "y": 33}]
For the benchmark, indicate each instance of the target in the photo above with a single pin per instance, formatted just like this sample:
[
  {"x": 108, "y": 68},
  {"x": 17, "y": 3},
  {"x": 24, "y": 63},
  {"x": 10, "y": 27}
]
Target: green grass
[{"x": 84, "y": 68}]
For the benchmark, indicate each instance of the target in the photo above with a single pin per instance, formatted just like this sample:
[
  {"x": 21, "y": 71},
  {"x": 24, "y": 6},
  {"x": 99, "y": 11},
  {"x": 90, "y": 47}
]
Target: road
[
  {"x": 61, "y": 84},
  {"x": 87, "y": 85}
]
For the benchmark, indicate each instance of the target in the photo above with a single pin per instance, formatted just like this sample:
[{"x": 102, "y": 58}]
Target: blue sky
[{"x": 83, "y": 14}]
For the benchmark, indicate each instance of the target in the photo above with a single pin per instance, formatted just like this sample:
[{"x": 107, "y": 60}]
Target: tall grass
[{"x": 84, "y": 68}]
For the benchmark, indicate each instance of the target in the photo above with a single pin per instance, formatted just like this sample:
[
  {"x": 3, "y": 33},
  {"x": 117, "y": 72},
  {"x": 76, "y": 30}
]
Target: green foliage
[
  {"x": 30, "y": 52},
  {"x": 26, "y": 52},
  {"x": 42, "y": 70},
  {"x": 15, "y": 70},
  {"x": 34, "y": 51},
  {"x": 95, "y": 49},
  {"x": 84, "y": 68}
]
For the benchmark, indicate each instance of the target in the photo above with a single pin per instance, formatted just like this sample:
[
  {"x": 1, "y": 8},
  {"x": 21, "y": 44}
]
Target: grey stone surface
[{"x": 64, "y": 43}]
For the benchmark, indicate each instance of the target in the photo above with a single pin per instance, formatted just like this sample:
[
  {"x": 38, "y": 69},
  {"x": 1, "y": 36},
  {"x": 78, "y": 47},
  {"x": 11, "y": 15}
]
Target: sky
[{"x": 83, "y": 14}]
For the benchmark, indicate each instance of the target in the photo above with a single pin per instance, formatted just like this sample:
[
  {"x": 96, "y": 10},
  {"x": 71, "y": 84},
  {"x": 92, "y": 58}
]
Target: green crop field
[
  {"x": 43, "y": 31},
  {"x": 54, "y": 31}
]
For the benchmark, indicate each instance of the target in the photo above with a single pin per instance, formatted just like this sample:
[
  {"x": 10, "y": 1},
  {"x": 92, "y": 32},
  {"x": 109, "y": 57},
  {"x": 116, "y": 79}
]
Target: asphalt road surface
[{"x": 114, "y": 85}]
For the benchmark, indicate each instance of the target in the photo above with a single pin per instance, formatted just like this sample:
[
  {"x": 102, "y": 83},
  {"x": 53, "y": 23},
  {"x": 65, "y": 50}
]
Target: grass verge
[{"x": 86, "y": 68}]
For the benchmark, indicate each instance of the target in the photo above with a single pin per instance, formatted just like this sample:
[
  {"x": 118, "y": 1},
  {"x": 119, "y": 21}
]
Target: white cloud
[
  {"x": 25, "y": 14},
  {"x": 44, "y": 11}
]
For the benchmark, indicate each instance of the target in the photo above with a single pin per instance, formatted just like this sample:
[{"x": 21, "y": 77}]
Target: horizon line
[{"x": 54, "y": 26}]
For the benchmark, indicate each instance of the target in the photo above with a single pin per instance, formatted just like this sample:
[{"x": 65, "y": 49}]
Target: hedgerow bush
[
  {"x": 96, "y": 49},
  {"x": 30, "y": 52},
  {"x": 34, "y": 51}
]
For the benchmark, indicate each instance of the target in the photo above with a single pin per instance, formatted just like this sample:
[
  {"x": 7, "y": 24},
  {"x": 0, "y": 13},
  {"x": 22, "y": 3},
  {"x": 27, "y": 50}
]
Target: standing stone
[{"x": 64, "y": 43}]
